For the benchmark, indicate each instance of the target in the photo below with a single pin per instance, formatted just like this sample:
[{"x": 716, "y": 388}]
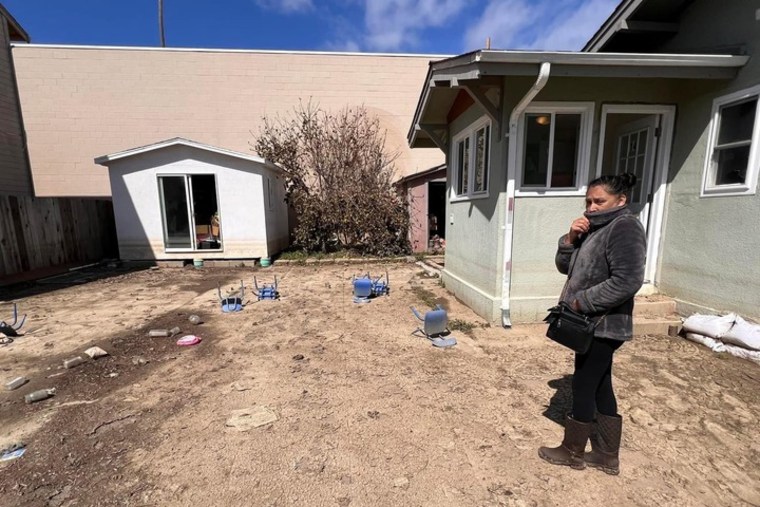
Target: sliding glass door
[{"x": 190, "y": 212}]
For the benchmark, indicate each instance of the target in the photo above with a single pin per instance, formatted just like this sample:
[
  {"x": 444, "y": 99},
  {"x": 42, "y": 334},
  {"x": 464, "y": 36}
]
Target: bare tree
[{"x": 339, "y": 179}]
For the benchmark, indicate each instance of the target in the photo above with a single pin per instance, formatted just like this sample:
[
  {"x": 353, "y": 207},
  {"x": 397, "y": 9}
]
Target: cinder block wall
[{"x": 80, "y": 103}]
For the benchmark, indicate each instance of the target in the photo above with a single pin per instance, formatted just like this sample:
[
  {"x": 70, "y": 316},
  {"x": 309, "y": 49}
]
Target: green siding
[
  {"x": 711, "y": 247},
  {"x": 710, "y": 251},
  {"x": 473, "y": 247}
]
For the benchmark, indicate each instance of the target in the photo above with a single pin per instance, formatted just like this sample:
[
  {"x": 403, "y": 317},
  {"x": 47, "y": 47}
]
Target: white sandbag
[
  {"x": 711, "y": 343},
  {"x": 744, "y": 334},
  {"x": 752, "y": 355},
  {"x": 712, "y": 326}
]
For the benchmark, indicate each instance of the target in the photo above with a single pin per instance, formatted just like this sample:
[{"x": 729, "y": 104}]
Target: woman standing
[{"x": 604, "y": 256}]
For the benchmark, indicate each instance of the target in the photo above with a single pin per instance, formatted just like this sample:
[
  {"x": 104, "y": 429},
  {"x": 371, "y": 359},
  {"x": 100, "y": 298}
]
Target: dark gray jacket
[{"x": 606, "y": 269}]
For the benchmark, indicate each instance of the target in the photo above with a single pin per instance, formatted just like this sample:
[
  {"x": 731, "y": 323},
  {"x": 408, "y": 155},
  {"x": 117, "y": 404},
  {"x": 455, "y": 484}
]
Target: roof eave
[
  {"x": 449, "y": 73},
  {"x": 180, "y": 141},
  {"x": 611, "y": 25},
  {"x": 14, "y": 26}
]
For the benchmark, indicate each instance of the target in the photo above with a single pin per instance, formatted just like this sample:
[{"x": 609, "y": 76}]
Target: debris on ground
[
  {"x": 16, "y": 383},
  {"x": 40, "y": 395},
  {"x": 194, "y": 319},
  {"x": 158, "y": 333},
  {"x": 73, "y": 362},
  {"x": 249, "y": 418},
  {"x": 12, "y": 452},
  {"x": 139, "y": 361},
  {"x": 241, "y": 386},
  {"x": 95, "y": 352},
  {"x": 188, "y": 340},
  {"x": 401, "y": 482}
]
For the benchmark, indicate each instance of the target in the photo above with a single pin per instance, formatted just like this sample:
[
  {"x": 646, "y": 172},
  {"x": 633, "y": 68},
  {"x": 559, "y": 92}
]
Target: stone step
[
  {"x": 660, "y": 307},
  {"x": 654, "y": 325}
]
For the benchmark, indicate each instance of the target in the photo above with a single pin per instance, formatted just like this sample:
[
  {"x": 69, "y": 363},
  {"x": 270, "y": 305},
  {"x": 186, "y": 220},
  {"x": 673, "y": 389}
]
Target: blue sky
[{"x": 408, "y": 26}]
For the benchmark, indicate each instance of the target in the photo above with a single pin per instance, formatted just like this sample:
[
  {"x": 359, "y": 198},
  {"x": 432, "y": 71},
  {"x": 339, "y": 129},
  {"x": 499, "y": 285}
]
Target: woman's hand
[{"x": 578, "y": 227}]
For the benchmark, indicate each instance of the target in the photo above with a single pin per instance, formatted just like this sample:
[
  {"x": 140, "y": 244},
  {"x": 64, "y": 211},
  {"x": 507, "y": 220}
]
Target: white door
[
  {"x": 636, "y": 138},
  {"x": 635, "y": 153}
]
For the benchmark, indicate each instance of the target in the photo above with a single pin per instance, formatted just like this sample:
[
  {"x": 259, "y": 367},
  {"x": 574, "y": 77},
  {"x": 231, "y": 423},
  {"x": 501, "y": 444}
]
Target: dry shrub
[{"x": 339, "y": 180}]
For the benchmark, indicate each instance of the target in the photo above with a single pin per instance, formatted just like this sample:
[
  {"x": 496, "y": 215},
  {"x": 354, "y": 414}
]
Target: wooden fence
[{"x": 43, "y": 232}]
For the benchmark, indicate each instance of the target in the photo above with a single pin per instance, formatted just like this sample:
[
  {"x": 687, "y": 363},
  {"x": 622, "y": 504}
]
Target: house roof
[
  {"x": 487, "y": 67},
  {"x": 421, "y": 174},
  {"x": 15, "y": 32},
  {"x": 180, "y": 141},
  {"x": 638, "y": 25}
]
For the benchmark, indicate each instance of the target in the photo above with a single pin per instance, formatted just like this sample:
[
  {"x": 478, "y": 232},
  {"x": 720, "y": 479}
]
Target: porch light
[{"x": 543, "y": 120}]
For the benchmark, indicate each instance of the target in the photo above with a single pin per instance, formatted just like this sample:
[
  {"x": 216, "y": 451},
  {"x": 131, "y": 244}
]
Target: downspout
[{"x": 543, "y": 77}]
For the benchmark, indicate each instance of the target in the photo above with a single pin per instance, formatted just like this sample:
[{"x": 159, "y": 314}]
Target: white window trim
[
  {"x": 470, "y": 131},
  {"x": 708, "y": 174},
  {"x": 586, "y": 110}
]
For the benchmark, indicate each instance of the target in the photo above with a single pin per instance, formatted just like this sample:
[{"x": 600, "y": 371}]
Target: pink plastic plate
[{"x": 189, "y": 340}]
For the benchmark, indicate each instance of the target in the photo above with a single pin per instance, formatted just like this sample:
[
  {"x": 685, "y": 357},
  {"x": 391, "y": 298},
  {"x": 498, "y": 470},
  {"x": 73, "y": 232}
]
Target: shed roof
[
  {"x": 421, "y": 174},
  {"x": 181, "y": 141}
]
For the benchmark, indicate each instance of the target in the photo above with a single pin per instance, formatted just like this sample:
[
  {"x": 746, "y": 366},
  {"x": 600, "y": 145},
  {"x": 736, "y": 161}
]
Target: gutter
[{"x": 541, "y": 80}]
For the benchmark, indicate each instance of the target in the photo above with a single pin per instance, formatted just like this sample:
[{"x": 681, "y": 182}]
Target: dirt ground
[{"x": 367, "y": 415}]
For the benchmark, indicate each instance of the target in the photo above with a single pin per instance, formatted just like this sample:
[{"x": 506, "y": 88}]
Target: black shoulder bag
[{"x": 569, "y": 328}]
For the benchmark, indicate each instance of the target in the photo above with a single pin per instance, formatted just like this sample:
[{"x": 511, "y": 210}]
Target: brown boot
[
  {"x": 605, "y": 444},
  {"x": 570, "y": 453}
]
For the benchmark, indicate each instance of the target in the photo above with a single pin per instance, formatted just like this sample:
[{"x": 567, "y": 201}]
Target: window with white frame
[
  {"x": 471, "y": 160},
  {"x": 554, "y": 146},
  {"x": 733, "y": 147}
]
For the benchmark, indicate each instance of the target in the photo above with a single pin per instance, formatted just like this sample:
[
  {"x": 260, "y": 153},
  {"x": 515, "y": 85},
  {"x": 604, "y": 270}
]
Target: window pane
[
  {"x": 537, "y": 132},
  {"x": 736, "y": 121},
  {"x": 465, "y": 165},
  {"x": 567, "y": 131},
  {"x": 176, "y": 219},
  {"x": 732, "y": 165},
  {"x": 481, "y": 159},
  {"x": 487, "y": 162},
  {"x": 459, "y": 166}
]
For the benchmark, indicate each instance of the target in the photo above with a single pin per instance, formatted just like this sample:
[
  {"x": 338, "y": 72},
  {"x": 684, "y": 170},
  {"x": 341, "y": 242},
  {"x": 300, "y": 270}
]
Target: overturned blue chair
[
  {"x": 233, "y": 302},
  {"x": 434, "y": 327},
  {"x": 11, "y": 329},
  {"x": 366, "y": 287},
  {"x": 266, "y": 291}
]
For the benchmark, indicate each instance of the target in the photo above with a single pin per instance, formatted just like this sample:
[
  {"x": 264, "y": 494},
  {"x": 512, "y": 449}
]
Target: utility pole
[{"x": 161, "y": 22}]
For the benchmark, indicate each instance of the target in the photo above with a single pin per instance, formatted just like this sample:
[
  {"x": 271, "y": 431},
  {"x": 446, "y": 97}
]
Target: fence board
[{"x": 40, "y": 233}]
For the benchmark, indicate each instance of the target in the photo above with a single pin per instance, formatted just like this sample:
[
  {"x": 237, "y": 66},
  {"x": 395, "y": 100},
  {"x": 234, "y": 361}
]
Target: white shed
[{"x": 180, "y": 199}]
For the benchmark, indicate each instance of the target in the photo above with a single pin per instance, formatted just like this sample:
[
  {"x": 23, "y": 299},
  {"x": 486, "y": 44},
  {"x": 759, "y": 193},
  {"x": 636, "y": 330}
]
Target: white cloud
[
  {"x": 502, "y": 20},
  {"x": 348, "y": 46},
  {"x": 287, "y": 6},
  {"x": 574, "y": 31},
  {"x": 392, "y": 25},
  {"x": 541, "y": 24}
]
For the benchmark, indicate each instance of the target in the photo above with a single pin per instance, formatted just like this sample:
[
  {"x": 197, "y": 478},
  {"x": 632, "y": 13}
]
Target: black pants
[{"x": 592, "y": 381}]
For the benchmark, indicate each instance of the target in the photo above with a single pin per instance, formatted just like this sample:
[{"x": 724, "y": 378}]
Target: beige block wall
[{"x": 83, "y": 102}]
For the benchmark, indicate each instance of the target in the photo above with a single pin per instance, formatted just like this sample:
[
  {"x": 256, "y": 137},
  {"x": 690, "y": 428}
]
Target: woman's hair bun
[
  {"x": 627, "y": 181},
  {"x": 616, "y": 185}
]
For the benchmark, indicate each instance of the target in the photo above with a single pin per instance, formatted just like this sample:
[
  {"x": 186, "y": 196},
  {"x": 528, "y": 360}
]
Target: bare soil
[{"x": 368, "y": 415}]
